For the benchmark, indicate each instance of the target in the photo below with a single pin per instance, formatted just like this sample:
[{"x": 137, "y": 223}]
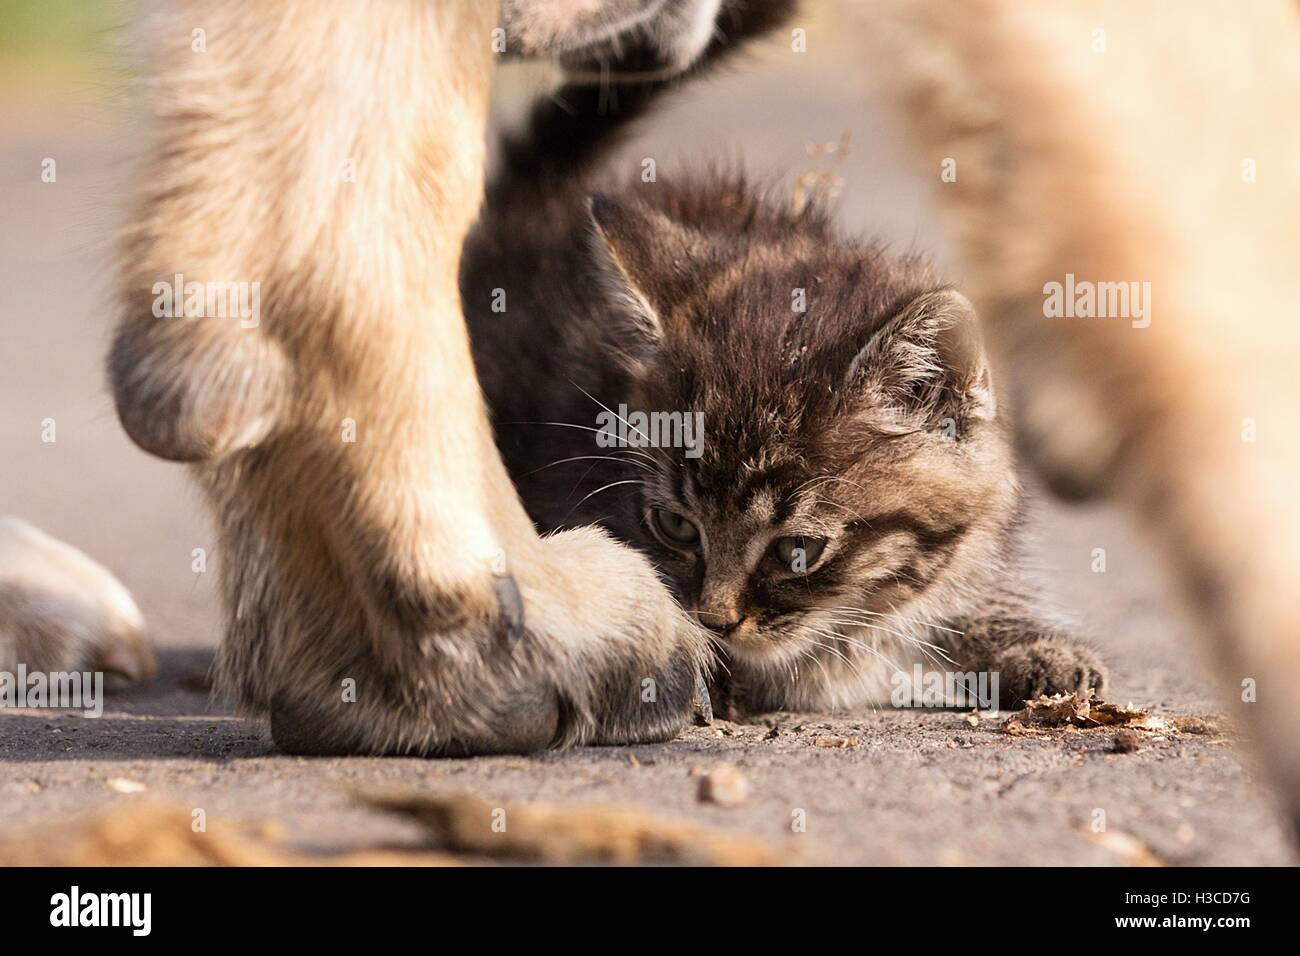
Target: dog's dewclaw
[
  {"x": 511, "y": 605},
  {"x": 701, "y": 706}
]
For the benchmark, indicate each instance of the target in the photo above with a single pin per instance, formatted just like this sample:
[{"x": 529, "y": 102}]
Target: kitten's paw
[
  {"x": 1048, "y": 665},
  {"x": 61, "y": 611}
]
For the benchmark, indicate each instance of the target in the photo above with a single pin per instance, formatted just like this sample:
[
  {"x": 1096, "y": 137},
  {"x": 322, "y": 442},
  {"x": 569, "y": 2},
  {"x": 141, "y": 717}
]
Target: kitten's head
[{"x": 852, "y": 460}]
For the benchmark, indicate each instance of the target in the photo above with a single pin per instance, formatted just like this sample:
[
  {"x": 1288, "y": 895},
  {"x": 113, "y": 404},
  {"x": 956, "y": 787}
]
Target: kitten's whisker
[
  {"x": 855, "y": 667},
  {"x": 611, "y": 411},
  {"x": 900, "y": 575},
  {"x": 834, "y": 650},
  {"x": 853, "y": 612},
  {"x": 939, "y": 658},
  {"x": 899, "y": 617},
  {"x": 926, "y": 648},
  {"x": 875, "y": 627},
  {"x": 941, "y": 651},
  {"x": 586, "y": 428},
  {"x": 937, "y": 627},
  {"x": 562, "y": 461},
  {"x": 861, "y": 645},
  {"x": 807, "y": 652},
  {"x": 721, "y": 659},
  {"x": 612, "y": 484}
]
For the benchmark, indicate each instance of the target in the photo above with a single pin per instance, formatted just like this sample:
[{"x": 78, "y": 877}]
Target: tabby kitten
[{"x": 851, "y": 510}]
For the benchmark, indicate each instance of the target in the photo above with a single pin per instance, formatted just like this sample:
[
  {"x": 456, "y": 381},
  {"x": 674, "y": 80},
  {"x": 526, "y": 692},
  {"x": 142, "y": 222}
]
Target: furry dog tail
[{"x": 568, "y": 132}]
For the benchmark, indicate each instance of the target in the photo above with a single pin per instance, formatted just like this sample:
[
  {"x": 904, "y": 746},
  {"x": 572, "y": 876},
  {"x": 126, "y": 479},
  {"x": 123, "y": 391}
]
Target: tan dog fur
[
  {"x": 1127, "y": 165},
  {"x": 385, "y": 566},
  {"x": 61, "y": 611}
]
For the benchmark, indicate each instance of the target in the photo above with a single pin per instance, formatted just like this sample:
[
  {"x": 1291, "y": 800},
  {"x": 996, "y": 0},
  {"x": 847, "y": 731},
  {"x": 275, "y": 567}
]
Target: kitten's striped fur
[{"x": 868, "y": 420}]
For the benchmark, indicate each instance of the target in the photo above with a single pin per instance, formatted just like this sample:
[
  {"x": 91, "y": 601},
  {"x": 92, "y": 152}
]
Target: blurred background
[
  {"x": 66, "y": 96},
  {"x": 66, "y": 113}
]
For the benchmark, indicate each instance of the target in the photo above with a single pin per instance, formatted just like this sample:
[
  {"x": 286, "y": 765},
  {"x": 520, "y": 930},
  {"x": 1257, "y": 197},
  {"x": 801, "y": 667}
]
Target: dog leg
[
  {"x": 376, "y": 554},
  {"x": 1090, "y": 149}
]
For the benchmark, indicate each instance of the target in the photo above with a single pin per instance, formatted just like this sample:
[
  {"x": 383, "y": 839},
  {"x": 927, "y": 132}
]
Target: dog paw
[
  {"x": 577, "y": 642},
  {"x": 62, "y": 611},
  {"x": 1048, "y": 666},
  {"x": 628, "y": 661},
  {"x": 666, "y": 697}
]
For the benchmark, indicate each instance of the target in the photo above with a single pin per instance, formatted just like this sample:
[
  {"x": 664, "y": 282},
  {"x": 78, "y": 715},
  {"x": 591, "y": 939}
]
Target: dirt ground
[{"x": 916, "y": 788}]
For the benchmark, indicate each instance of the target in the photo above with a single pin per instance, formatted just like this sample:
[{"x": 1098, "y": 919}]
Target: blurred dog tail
[{"x": 570, "y": 131}]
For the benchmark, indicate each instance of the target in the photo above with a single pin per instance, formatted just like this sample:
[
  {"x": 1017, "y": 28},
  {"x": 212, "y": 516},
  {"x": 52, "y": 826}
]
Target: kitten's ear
[
  {"x": 651, "y": 259},
  {"x": 926, "y": 367}
]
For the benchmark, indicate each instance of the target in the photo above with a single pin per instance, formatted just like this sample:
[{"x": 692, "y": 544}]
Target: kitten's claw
[
  {"x": 1049, "y": 666},
  {"x": 511, "y": 605}
]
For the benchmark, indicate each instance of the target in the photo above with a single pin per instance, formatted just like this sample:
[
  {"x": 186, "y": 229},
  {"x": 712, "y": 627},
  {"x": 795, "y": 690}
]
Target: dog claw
[
  {"x": 511, "y": 605},
  {"x": 701, "y": 705}
]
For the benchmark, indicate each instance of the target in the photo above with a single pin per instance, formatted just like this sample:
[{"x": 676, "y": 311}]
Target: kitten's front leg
[{"x": 1031, "y": 656}]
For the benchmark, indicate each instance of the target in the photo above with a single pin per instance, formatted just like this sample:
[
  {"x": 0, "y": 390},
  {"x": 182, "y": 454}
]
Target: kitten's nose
[
  {"x": 718, "y": 605},
  {"x": 720, "y": 624}
]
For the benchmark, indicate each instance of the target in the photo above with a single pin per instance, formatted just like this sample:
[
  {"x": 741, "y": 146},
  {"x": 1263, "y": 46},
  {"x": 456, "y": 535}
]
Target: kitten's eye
[
  {"x": 674, "y": 527},
  {"x": 798, "y": 553}
]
